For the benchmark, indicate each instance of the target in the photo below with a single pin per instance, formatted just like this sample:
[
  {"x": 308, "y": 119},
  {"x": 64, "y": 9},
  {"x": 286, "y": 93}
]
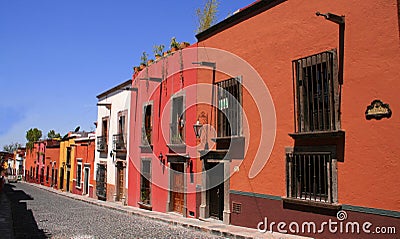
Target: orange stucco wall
[
  {"x": 52, "y": 161},
  {"x": 31, "y": 156},
  {"x": 270, "y": 41},
  {"x": 85, "y": 151}
]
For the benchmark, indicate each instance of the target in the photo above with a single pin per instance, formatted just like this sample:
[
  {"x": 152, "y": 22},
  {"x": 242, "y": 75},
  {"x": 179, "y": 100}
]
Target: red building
[
  {"x": 33, "y": 158},
  {"x": 84, "y": 179},
  {"x": 162, "y": 164},
  {"x": 29, "y": 164},
  {"x": 41, "y": 161},
  {"x": 39, "y": 165},
  {"x": 52, "y": 162},
  {"x": 316, "y": 136}
]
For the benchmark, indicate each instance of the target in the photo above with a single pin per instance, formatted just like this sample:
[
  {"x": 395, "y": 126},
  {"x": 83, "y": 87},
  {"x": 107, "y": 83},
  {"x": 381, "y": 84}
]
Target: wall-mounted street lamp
[
  {"x": 161, "y": 158},
  {"x": 189, "y": 162},
  {"x": 197, "y": 128}
]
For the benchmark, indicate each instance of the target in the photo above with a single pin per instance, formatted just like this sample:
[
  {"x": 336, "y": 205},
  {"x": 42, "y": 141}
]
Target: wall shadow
[{"x": 24, "y": 222}]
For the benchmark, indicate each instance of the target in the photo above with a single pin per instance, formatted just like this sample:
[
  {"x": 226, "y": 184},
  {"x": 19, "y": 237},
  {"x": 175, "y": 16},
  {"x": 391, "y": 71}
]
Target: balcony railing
[
  {"x": 102, "y": 143},
  {"x": 119, "y": 142}
]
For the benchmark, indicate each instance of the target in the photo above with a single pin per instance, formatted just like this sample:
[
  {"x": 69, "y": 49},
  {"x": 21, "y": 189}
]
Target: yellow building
[{"x": 67, "y": 158}]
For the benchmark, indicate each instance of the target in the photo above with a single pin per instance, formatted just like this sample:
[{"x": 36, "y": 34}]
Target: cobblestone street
[{"x": 41, "y": 214}]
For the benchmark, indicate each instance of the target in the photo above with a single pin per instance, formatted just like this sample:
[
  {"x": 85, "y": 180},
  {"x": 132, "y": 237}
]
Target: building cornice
[{"x": 116, "y": 88}]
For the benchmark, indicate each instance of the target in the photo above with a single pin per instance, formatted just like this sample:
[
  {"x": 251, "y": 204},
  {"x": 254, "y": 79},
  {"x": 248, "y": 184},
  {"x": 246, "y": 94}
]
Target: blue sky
[{"x": 56, "y": 56}]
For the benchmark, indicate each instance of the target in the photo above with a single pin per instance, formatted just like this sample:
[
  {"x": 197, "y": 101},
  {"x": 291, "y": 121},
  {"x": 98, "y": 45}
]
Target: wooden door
[
  {"x": 177, "y": 187},
  {"x": 215, "y": 178},
  {"x": 120, "y": 176}
]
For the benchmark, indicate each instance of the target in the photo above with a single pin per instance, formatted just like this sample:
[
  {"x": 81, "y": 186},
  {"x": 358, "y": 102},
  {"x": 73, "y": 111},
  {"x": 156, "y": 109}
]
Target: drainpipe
[{"x": 341, "y": 22}]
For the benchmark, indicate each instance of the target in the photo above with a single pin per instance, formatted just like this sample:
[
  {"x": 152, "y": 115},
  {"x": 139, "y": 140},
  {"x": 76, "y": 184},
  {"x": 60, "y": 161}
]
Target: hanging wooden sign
[{"x": 378, "y": 110}]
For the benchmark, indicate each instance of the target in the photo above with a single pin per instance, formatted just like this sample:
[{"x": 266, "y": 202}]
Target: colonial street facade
[{"x": 283, "y": 112}]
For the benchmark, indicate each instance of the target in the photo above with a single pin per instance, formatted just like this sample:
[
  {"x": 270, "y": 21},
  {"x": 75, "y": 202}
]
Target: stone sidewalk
[
  {"x": 6, "y": 222},
  {"x": 213, "y": 227}
]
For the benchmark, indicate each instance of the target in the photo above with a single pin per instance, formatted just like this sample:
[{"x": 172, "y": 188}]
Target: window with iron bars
[
  {"x": 147, "y": 125},
  {"x": 316, "y": 96},
  {"x": 177, "y": 125},
  {"x": 229, "y": 112},
  {"x": 311, "y": 176}
]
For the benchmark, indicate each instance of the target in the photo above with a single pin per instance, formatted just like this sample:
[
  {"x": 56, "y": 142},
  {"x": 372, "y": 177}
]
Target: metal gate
[{"x": 101, "y": 181}]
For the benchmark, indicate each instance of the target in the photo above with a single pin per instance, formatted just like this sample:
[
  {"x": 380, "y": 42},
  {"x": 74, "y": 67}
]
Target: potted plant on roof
[
  {"x": 136, "y": 69},
  {"x": 158, "y": 51},
  {"x": 143, "y": 61},
  {"x": 174, "y": 45},
  {"x": 183, "y": 45},
  {"x": 166, "y": 53}
]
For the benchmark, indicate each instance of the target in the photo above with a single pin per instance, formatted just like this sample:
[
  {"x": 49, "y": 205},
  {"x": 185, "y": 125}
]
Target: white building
[
  {"x": 20, "y": 155},
  {"x": 11, "y": 170},
  {"x": 112, "y": 144}
]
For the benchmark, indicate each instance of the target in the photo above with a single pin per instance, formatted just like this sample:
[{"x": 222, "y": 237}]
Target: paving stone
[
  {"x": 6, "y": 222},
  {"x": 147, "y": 224},
  {"x": 57, "y": 216}
]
